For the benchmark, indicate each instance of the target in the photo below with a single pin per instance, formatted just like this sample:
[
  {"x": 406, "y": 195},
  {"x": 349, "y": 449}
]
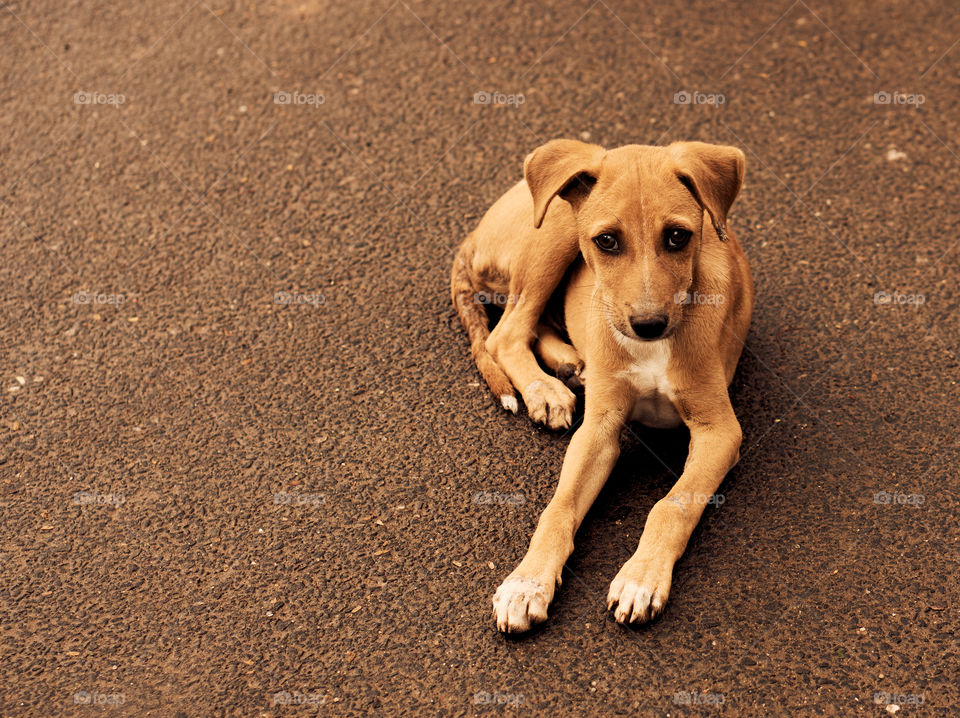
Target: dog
[{"x": 656, "y": 297}]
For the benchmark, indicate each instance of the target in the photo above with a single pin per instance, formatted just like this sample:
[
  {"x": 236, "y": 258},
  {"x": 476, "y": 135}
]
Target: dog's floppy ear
[
  {"x": 557, "y": 165},
  {"x": 713, "y": 174}
]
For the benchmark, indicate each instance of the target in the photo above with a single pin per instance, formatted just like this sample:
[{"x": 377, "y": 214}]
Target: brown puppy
[{"x": 657, "y": 308}]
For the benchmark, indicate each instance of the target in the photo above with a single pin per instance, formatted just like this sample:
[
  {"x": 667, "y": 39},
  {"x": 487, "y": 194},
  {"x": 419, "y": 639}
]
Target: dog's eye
[
  {"x": 607, "y": 242},
  {"x": 676, "y": 237}
]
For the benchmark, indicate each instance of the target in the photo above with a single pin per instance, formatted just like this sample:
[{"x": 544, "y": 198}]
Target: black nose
[{"x": 649, "y": 327}]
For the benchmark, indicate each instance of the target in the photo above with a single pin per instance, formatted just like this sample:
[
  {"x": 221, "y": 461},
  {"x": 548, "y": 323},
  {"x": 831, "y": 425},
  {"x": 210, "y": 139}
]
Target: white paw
[
  {"x": 550, "y": 402},
  {"x": 640, "y": 591},
  {"x": 509, "y": 402},
  {"x": 519, "y": 604}
]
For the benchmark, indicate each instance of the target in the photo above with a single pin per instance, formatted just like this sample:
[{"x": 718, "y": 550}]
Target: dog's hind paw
[
  {"x": 570, "y": 374},
  {"x": 550, "y": 402},
  {"x": 509, "y": 402},
  {"x": 520, "y": 604}
]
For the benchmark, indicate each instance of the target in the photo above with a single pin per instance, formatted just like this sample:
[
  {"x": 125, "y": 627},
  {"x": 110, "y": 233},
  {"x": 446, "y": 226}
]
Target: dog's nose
[{"x": 649, "y": 327}]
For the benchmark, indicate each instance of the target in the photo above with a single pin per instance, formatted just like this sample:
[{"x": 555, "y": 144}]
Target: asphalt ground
[{"x": 246, "y": 465}]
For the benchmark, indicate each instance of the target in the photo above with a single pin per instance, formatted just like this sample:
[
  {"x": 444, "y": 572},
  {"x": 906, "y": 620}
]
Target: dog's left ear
[
  {"x": 557, "y": 167},
  {"x": 713, "y": 174}
]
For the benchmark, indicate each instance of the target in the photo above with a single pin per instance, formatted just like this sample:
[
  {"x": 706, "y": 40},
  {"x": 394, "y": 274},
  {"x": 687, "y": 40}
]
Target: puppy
[{"x": 656, "y": 304}]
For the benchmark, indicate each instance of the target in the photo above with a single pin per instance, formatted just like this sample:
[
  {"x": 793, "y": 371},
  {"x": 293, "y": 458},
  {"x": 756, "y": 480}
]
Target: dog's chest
[{"x": 652, "y": 390}]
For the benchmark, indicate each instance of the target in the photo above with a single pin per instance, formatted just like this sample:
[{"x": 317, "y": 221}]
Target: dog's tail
[{"x": 474, "y": 318}]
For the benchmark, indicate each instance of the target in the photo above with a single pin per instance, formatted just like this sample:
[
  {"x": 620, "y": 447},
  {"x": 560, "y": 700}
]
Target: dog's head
[{"x": 640, "y": 218}]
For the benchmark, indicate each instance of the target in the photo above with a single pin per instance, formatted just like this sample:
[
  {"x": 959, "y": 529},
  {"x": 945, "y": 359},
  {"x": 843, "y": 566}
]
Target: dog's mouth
[
  {"x": 621, "y": 334},
  {"x": 666, "y": 334}
]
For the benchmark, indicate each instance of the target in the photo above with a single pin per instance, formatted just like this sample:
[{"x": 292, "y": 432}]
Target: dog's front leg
[
  {"x": 523, "y": 598},
  {"x": 642, "y": 586}
]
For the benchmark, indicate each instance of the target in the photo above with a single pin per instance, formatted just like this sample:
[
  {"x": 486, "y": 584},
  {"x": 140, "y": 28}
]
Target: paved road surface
[{"x": 241, "y": 438}]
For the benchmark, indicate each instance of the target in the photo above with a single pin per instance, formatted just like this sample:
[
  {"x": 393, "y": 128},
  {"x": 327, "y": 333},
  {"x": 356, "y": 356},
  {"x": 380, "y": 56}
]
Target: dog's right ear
[{"x": 557, "y": 167}]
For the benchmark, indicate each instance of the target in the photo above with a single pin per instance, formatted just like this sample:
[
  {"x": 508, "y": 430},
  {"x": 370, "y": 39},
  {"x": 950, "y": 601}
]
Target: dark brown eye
[
  {"x": 607, "y": 242},
  {"x": 676, "y": 238}
]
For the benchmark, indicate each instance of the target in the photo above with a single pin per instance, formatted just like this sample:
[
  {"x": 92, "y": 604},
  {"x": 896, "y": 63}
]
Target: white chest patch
[{"x": 647, "y": 375}]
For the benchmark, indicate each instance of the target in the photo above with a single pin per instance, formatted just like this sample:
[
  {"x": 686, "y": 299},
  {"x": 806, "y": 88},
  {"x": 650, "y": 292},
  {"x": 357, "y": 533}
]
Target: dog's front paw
[
  {"x": 550, "y": 402},
  {"x": 520, "y": 604},
  {"x": 640, "y": 590}
]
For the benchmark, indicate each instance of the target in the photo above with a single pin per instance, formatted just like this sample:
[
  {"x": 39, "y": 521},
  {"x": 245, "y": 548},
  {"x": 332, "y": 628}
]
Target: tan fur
[
  {"x": 637, "y": 193},
  {"x": 464, "y": 290}
]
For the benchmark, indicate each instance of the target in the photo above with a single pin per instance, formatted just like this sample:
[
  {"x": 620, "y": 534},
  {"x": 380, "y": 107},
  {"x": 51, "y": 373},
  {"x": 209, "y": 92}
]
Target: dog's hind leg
[
  {"x": 548, "y": 399},
  {"x": 473, "y": 316},
  {"x": 559, "y": 356}
]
